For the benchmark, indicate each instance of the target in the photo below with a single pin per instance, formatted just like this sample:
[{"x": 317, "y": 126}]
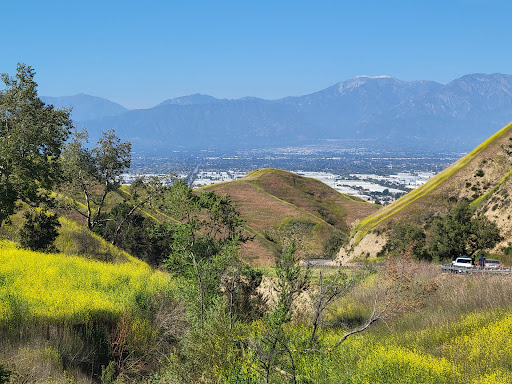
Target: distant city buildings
[
  {"x": 407, "y": 180},
  {"x": 204, "y": 178}
]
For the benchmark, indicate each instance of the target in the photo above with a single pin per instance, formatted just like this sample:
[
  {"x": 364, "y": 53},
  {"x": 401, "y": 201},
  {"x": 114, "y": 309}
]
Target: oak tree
[
  {"x": 32, "y": 135},
  {"x": 94, "y": 173},
  {"x": 460, "y": 233}
]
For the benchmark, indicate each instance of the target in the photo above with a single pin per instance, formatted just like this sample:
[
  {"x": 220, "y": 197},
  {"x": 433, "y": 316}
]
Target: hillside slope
[
  {"x": 275, "y": 203},
  {"x": 60, "y": 314},
  {"x": 482, "y": 176},
  {"x": 60, "y": 287}
]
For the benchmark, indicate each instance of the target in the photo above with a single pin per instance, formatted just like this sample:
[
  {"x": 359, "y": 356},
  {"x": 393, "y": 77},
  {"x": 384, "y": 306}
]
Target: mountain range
[{"x": 379, "y": 111}]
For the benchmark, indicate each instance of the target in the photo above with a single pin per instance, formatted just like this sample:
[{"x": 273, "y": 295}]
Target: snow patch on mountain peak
[{"x": 374, "y": 77}]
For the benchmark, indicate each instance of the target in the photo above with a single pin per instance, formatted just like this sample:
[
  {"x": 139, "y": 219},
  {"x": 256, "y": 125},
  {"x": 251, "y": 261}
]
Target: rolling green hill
[
  {"x": 482, "y": 176},
  {"x": 275, "y": 202}
]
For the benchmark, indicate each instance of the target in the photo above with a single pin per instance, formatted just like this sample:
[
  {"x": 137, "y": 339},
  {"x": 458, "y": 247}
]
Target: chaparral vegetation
[{"x": 154, "y": 282}]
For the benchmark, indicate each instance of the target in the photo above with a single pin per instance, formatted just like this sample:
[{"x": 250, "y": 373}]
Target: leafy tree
[
  {"x": 240, "y": 283},
  {"x": 79, "y": 170},
  {"x": 39, "y": 231},
  {"x": 144, "y": 191},
  {"x": 485, "y": 235},
  {"x": 407, "y": 237},
  {"x": 139, "y": 235},
  {"x": 89, "y": 171},
  {"x": 119, "y": 226},
  {"x": 205, "y": 231},
  {"x": 460, "y": 233},
  {"x": 112, "y": 158},
  {"x": 32, "y": 135}
]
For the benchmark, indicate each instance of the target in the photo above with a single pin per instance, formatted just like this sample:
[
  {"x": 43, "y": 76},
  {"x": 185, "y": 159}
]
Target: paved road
[
  {"x": 191, "y": 177},
  {"x": 320, "y": 263}
]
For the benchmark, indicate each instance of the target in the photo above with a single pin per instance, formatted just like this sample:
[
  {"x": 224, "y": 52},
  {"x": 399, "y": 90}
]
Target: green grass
[
  {"x": 76, "y": 239},
  {"x": 292, "y": 206}
]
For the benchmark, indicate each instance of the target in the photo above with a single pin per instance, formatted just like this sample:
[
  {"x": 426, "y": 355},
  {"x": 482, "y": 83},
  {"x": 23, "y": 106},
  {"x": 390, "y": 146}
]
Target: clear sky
[{"x": 139, "y": 53}]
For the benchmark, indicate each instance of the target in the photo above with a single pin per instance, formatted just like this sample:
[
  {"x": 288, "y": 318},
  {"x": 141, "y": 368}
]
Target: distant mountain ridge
[
  {"x": 381, "y": 109},
  {"x": 86, "y": 107},
  {"x": 194, "y": 99}
]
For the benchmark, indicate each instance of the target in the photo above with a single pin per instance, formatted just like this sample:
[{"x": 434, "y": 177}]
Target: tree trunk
[{"x": 89, "y": 209}]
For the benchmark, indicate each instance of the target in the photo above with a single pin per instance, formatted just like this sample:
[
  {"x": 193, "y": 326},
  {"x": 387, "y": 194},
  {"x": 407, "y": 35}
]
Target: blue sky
[{"x": 139, "y": 53}]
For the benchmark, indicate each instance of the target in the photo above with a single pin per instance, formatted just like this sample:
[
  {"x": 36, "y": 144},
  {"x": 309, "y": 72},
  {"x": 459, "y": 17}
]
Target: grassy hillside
[
  {"x": 273, "y": 201},
  {"x": 74, "y": 238},
  {"x": 64, "y": 317},
  {"x": 482, "y": 176},
  {"x": 63, "y": 288}
]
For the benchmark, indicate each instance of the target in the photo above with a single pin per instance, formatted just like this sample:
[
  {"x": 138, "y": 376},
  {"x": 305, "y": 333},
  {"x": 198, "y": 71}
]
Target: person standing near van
[{"x": 481, "y": 261}]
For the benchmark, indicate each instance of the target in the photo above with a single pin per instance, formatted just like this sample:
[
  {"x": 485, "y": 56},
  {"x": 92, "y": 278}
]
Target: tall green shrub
[{"x": 39, "y": 231}]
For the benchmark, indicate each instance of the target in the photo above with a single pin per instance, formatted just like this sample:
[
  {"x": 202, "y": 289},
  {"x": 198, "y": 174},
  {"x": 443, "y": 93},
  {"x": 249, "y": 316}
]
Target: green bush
[
  {"x": 39, "y": 231},
  {"x": 333, "y": 244},
  {"x": 108, "y": 373},
  {"x": 405, "y": 238},
  {"x": 5, "y": 374}
]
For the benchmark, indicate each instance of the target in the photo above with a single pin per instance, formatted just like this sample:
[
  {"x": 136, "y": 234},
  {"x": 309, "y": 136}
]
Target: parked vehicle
[
  {"x": 463, "y": 262},
  {"x": 493, "y": 264}
]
